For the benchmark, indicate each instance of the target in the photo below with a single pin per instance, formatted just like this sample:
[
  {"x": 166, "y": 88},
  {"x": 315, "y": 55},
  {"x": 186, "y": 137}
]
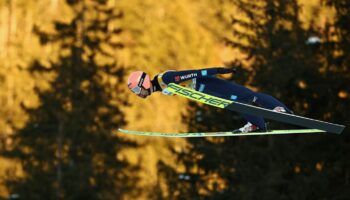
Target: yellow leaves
[
  {"x": 84, "y": 85},
  {"x": 216, "y": 140},
  {"x": 161, "y": 36},
  {"x": 26, "y": 150},
  {"x": 319, "y": 166},
  {"x": 92, "y": 181},
  {"x": 313, "y": 13},
  {"x": 343, "y": 94},
  {"x": 158, "y": 36},
  {"x": 302, "y": 84},
  {"x": 166, "y": 35},
  {"x": 67, "y": 106},
  {"x": 10, "y": 169},
  {"x": 215, "y": 183}
]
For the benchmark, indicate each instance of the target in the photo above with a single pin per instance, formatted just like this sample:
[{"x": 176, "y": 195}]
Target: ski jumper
[{"x": 204, "y": 81}]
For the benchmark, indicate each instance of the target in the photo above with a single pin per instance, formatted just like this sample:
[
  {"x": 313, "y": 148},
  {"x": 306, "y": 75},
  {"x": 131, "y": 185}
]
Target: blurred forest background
[{"x": 63, "y": 70}]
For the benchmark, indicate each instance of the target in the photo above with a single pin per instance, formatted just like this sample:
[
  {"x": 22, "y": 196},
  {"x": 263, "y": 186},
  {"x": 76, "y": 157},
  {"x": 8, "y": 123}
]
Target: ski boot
[{"x": 249, "y": 127}]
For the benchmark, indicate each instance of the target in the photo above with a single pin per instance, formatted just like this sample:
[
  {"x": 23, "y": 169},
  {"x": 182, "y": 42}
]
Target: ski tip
[{"x": 121, "y": 130}]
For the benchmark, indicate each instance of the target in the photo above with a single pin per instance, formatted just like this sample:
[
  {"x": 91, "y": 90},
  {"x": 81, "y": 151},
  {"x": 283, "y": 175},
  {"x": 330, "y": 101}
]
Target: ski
[
  {"x": 253, "y": 110},
  {"x": 220, "y": 134}
]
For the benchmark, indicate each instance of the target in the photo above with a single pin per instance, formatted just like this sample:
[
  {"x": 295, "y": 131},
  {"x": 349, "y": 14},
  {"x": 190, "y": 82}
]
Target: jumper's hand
[{"x": 227, "y": 70}]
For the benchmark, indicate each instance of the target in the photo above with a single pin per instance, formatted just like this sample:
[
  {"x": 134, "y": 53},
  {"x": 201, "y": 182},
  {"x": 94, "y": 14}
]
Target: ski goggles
[{"x": 137, "y": 90}]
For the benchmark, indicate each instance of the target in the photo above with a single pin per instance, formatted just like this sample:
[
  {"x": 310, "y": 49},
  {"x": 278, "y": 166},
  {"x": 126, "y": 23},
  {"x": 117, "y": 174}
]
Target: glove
[{"x": 222, "y": 70}]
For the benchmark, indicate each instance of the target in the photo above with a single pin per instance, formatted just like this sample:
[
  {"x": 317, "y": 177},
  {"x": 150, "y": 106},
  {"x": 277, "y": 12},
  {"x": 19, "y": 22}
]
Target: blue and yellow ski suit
[{"x": 203, "y": 80}]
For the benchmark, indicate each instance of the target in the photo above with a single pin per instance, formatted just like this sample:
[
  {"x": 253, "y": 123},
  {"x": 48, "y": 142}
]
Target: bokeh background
[{"x": 63, "y": 71}]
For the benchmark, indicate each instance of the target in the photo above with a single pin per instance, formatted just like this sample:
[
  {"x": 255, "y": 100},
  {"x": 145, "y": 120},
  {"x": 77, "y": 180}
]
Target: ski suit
[{"x": 203, "y": 80}]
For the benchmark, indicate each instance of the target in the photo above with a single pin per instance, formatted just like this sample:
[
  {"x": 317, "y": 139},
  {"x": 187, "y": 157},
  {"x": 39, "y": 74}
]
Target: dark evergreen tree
[
  {"x": 282, "y": 63},
  {"x": 68, "y": 149}
]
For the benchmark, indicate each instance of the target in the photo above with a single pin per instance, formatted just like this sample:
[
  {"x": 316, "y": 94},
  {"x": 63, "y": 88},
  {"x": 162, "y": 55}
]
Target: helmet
[{"x": 139, "y": 80}]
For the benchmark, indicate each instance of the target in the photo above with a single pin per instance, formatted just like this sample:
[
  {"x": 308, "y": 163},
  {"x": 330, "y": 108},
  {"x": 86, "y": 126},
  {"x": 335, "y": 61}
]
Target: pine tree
[
  {"x": 270, "y": 34},
  {"x": 67, "y": 149}
]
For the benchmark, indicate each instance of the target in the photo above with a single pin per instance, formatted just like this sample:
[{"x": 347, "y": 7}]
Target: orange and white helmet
[{"x": 139, "y": 80}]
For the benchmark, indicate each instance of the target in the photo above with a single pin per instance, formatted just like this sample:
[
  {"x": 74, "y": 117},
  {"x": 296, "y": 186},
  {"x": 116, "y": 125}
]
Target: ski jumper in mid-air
[{"x": 204, "y": 80}]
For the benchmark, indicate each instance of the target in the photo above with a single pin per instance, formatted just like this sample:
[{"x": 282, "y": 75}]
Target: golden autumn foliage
[{"x": 65, "y": 61}]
